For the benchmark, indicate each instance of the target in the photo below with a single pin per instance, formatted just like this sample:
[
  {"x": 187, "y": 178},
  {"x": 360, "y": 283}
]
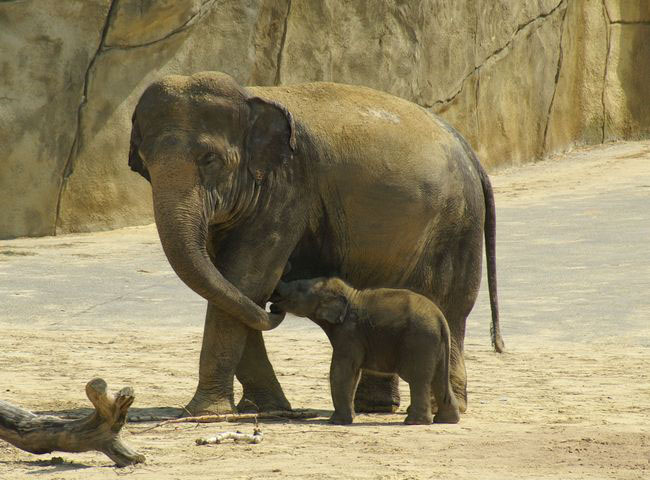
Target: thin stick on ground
[
  {"x": 255, "y": 437},
  {"x": 237, "y": 417},
  {"x": 98, "y": 431}
]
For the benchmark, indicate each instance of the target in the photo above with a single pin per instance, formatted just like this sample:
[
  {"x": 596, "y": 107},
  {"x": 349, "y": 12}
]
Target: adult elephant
[{"x": 335, "y": 179}]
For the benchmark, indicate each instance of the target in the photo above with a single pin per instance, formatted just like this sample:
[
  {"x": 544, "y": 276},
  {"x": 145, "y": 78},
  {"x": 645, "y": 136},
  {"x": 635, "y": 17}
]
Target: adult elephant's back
[
  {"x": 387, "y": 162},
  {"x": 363, "y": 126}
]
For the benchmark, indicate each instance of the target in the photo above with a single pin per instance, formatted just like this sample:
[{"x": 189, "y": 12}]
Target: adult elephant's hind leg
[
  {"x": 458, "y": 376},
  {"x": 462, "y": 293},
  {"x": 262, "y": 391},
  {"x": 377, "y": 393}
]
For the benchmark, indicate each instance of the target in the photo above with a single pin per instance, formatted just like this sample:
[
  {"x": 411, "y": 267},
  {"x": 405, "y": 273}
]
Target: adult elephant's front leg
[
  {"x": 262, "y": 391},
  {"x": 224, "y": 338},
  {"x": 229, "y": 347}
]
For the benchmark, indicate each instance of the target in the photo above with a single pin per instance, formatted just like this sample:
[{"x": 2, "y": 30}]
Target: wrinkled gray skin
[
  {"x": 341, "y": 180},
  {"x": 382, "y": 330}
]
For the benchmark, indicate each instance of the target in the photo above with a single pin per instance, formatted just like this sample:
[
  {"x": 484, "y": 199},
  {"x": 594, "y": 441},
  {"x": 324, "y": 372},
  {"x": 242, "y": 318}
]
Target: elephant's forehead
[
  {"x": 190, "y": 111},
  {"x": 203, "y": 84}
]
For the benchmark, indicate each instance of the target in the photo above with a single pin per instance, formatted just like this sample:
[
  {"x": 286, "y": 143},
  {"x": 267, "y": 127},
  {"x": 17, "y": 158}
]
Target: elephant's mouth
[
  {"x": 276, "y": 297},
  {"x": 275, "y": 308}
]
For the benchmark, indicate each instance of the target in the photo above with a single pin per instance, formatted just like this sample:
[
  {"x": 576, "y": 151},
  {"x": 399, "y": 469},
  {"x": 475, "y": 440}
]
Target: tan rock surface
[
  {"x": 44, "y": 57},
  {"x": 627, "y": 82},
  {"x": 103, "y": 193},
  {"x": 515, "y": 93},
  {"x": 518, "y": 79},
  {"x": 137, "y": 23},
  {"x": 498, "y": 22},
  {"x": 627, "y": 11},
  {"x": 576, "y": 116}
]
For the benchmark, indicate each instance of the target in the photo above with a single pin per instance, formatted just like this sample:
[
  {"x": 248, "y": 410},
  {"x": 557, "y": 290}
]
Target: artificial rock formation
[{"x": 519, "y": 79}]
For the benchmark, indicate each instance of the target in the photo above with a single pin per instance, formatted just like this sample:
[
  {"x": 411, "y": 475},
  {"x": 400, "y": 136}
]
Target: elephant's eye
[{"x": 208, "y": 159}]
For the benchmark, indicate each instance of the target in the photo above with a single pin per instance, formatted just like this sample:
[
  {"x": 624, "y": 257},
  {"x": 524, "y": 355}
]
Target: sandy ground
[{"x": 569, "y": 400}]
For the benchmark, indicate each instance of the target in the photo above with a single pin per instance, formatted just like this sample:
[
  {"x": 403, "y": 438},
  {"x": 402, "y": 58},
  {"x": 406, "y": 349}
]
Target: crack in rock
[
  {"x": 495, "y": 53},
  {"x": 69, "y": 164},
  {"x": 477, "y": 90},
  {"x": 101, "y": 48},
  {"x": 608, "y": 23},
  {"x": 476, "y": 98},
  {"x": 557, "y": 79},
  {"x": 204, "y": 9},
  {"x": 278, "y": 62}
]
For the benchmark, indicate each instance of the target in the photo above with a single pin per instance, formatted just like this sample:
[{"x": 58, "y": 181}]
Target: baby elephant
[{"x": 382, "y": 330}]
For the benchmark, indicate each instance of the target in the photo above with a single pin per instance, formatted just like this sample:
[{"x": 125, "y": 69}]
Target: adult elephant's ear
[
  {"x": 135, "y": 162},
  {"x": 271, "y": 138}
]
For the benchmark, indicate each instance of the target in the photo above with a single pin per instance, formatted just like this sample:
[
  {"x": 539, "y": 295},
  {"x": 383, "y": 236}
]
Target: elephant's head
[
  {"x": 324, "y": 300},
  {"x": 207, "y": 146}
]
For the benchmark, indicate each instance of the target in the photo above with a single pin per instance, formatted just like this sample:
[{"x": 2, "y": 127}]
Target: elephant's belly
[
  {"x": 395, "y": 232},
  {"x": 375, "y": 250},
  {"x": 388, "y": 241}
]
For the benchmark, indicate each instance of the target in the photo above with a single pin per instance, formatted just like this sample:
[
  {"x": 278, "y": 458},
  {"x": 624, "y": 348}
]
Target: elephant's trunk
[{"x": 182, "y": 223}]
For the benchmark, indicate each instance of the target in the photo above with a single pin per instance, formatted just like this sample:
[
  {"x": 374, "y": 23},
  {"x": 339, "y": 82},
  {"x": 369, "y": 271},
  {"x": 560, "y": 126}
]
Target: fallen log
[{"x": 98, "y": 431}]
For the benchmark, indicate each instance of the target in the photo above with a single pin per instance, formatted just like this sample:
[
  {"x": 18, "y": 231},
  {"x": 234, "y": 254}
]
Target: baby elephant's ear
[{"x": 333, "y": 309}]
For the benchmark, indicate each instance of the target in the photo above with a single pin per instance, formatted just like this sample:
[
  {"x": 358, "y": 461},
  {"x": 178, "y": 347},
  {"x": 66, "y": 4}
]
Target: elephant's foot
[
  {"x": 458, "y": 378},
  {"x": 252, "y": 401},
  {"x": 209, "y": 404},
  {"x": 341, "y": 418},
  {"x": 262, "y": 391},
  {"x": 421, "y": 419},
  {"x": 460, "y": 392},
  {"x": 450, "y": 415},
  {"x": 462, "y": 403},
  {"x": 377, "y": 394}
]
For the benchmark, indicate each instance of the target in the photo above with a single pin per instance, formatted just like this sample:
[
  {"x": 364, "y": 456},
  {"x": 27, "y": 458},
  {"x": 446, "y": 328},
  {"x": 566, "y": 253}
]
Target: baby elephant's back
[
  {"x": 427, "y": 323},
  {"x": 404, "y": 324},
  {"x": 399, "y": 309}
]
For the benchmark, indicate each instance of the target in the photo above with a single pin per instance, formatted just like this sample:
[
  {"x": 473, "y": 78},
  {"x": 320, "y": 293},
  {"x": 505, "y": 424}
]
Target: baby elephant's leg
[
  {"x": 444, "y": 395},
  {"x": 344, "y": 377},
  {"x": 419, "y": 412}
]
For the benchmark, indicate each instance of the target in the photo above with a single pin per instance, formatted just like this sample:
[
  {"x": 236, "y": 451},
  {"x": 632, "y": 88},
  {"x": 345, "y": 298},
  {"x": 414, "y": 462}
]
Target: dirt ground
[{"x": 569, "y": 400}]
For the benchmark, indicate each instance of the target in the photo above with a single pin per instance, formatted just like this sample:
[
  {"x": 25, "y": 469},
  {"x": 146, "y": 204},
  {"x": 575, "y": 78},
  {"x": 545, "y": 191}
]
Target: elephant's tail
[
  {"x": 443, "y": 368},
  {"x": 489, "y": 229},
  {"x": 490, "y": 253}
]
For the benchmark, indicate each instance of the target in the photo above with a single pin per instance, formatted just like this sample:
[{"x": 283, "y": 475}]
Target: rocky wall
[{"x": 520, "y": 79}]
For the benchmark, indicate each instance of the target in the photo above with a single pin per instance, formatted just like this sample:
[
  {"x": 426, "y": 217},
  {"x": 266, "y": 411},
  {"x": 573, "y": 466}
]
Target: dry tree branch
[
  {"x": 236, "y": 417},
  {"x": 98, "y": 431}
]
